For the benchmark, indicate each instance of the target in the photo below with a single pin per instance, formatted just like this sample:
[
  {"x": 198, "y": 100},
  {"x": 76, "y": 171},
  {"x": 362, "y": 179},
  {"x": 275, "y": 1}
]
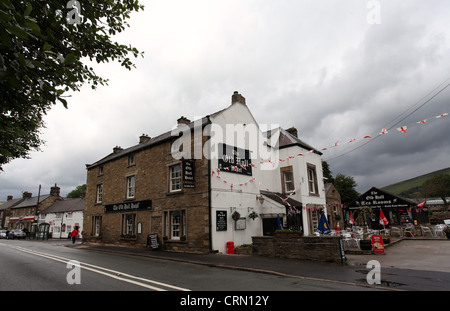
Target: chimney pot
[
  {"x": 237, "y": 98},
  {"x": 143, "y": 138}
]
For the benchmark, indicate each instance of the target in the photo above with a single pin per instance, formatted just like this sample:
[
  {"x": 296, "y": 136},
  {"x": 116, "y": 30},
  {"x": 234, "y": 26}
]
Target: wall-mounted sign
[
  {"x": 221, "y": 220},
  {"x": 188, "y": 174},
  {"x": 234, "y": 160},
  {"x": 129, "y": 206}
]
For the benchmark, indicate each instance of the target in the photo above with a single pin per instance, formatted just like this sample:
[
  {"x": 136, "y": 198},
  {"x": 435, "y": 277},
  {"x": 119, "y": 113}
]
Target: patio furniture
[
  {"x": 426, "y": 230},
  {"x": 439, "y": 230},
  {"x": 396, "y": 230},
  {"x": 349, "y": 240},
  {"x": 409, "y": 229}
]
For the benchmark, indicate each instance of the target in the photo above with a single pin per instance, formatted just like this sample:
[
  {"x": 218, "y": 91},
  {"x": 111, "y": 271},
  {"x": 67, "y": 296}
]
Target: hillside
[{"x": 410, "y": 188}]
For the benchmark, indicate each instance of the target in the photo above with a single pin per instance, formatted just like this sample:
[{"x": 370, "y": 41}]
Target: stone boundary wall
[{"x": 309, "y": 247}]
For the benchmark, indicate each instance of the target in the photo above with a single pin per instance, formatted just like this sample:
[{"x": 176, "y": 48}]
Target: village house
[
  {"x": 26, "y": 213},
  {"x": 63, "y": 216},
  {"x": 5, "y": 210},
  {"x": 223, "y": 178}
]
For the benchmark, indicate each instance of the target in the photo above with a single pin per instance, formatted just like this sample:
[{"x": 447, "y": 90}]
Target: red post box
[{"x": 230, "y": 247}]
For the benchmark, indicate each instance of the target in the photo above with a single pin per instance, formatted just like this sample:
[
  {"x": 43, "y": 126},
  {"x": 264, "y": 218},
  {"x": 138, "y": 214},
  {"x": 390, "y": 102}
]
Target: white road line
[{"x": 107, "y": 272}]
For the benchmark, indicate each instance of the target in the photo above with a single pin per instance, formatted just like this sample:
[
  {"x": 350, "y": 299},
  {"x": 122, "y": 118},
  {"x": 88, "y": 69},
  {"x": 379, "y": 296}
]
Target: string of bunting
[{"x": 252, "y": 180}]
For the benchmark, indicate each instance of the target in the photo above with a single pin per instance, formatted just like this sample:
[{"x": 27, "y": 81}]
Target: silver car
[{"x": 16, "y": 234}]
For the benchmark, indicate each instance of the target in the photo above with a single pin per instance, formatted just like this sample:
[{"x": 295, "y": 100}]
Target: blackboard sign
[
  {"x": 234, "y": 160},
  {"x": 152, "y": 241},
  {"x": 221, "y": 220}
]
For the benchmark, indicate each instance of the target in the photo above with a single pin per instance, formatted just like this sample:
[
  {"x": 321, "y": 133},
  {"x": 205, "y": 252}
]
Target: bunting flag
[
  {"x": 421, "y": 205},
  {"x": 402, "y": 129}
]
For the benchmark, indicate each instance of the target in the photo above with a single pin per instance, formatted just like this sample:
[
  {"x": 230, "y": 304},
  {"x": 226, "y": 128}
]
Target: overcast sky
[{"x": 336, "y": 70}]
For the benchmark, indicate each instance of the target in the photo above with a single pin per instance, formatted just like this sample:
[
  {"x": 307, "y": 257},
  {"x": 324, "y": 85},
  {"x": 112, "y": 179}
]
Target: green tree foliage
[
  {"x": 437, "y": 186},
  {"x": 346, "y": 185},
  {"x": 42, "y": 48},
  {"x": 78, "y": 192}
]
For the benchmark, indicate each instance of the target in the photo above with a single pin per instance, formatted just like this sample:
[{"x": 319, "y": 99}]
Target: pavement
[{"x": 407, "y": 264}]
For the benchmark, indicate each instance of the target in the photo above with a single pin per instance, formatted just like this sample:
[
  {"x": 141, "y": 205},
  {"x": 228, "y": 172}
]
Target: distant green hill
[{"x": 410, "y": 188}]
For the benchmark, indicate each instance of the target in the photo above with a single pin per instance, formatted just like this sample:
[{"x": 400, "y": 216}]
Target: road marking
[{"x": 104, "y": 271}]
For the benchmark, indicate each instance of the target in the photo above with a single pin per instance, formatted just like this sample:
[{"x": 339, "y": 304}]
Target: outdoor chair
[
  {"x": 426, "y": 230},
  {"x": 349, "y": 240},
  {"x": 409, "y": 229},
  {"x": 396, "y": 230},
  {"x": 439, "y": 230},
  {"x": 385, "y": 232}
]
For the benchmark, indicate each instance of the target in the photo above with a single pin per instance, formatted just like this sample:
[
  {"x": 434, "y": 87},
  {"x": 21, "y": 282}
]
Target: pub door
[{"x": 269, "y": 226}]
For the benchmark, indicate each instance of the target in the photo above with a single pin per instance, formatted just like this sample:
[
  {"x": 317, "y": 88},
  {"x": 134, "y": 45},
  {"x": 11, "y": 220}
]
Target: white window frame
[
  {"x": 175, "y": 178},
  {"x": 131, "y": 187},
  {"x": 99, "y": 193}
]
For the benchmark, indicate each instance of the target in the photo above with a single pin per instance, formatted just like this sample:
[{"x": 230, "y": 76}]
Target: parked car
[
  {"x": 3, "y": 234},
  {"x": 16, "y": 234}
]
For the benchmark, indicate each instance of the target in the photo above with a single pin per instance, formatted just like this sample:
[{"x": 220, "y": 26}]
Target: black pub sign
[
  {"x": 234, "y": 160},
  {"x": 129, "y": 206},
  {"x": 188, "y": 174},
  {"x": 221, "y": 220}
]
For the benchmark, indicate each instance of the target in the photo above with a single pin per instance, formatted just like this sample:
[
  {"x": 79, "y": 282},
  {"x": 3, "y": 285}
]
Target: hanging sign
[
  {"x": 188, "y": 174},
  {"x": 234, "y": 160},
  {"x": 377, "y": 244}
]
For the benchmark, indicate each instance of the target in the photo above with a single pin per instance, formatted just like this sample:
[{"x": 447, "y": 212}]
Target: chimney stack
[
  {"x": 117, "y": 149},
  {"x": 183, "y": 120},
  {"x": 237, "y": 98},
  {"x": 143, "y": 138},
  {"x": 293, "y": 131},
  {"x": 55, "y": 191},
  {"x": 10, "y": 197},
  {"x": 27, "y": 195}
]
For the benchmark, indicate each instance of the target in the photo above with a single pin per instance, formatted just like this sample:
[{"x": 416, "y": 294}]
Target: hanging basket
[{"x": 235, "y": 215}]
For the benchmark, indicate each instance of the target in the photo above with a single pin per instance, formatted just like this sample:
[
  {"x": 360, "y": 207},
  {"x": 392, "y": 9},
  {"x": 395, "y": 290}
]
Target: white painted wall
[{"x": 69, "y": 219}]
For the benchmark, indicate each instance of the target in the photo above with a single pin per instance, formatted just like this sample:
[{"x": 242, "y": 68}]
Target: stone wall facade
[
  {"x": 150, "y": 167},
  {"x": 306, "y": 247}
]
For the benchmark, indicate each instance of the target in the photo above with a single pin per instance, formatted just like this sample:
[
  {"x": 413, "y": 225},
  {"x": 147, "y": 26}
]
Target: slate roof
[
  {"x": 66, "y": 205},
  {"x": 31, "y": 201}
]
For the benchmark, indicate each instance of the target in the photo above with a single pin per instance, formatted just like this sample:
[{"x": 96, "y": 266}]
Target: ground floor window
[
  {"x": 129, "y": 224},
  {"x": 175, "y": 224},
  {"x": 96, "y": 226}
]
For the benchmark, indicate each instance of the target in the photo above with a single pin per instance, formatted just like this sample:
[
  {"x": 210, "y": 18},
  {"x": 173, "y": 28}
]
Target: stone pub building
[{"x": 196, "y": 189}]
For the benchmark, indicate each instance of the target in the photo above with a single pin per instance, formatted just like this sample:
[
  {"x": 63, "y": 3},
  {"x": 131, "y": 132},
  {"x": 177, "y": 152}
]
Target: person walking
[{"x": 74, "y": 234}]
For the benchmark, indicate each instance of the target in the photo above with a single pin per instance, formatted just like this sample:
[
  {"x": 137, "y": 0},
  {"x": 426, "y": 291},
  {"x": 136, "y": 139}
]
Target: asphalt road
[{"x": 30, "y": 265}]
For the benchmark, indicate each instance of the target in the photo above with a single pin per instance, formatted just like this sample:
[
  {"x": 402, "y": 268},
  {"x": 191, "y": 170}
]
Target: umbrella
[
  {"x": 323, "y": 227},
  {"x": 279, "y": 223}
]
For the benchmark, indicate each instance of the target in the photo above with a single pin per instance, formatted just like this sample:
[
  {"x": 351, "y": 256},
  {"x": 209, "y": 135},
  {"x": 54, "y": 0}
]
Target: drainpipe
[{"x": 209, "y": 195}]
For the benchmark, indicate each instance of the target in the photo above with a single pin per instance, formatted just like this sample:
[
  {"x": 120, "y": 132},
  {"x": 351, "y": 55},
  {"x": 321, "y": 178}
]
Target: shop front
[{"x": 397, "y": 210}]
